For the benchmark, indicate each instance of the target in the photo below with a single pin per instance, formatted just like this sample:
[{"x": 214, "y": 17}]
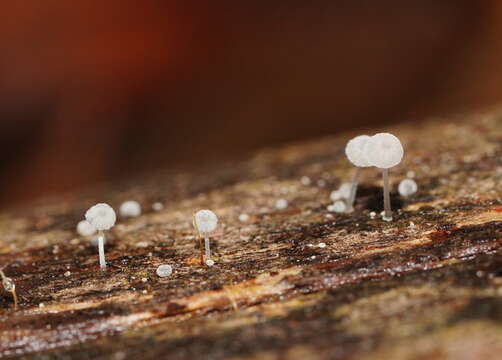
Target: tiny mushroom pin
[
  {"x": 205, "y": 222},
  {"x": 407, "y": 187},
  {"x": 384, "y": 151},
  {"x": 9, "y": 285},
  {"x": 102, "y": 217},
  {"x": 130, "y": 208}
]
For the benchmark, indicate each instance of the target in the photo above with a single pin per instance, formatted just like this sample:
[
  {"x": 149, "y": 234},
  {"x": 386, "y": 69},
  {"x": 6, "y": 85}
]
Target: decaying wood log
[{"x": 426, "y": 286}]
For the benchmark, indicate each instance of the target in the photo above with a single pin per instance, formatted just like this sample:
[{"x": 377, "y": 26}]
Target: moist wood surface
[{"x": 426, "y": 286}]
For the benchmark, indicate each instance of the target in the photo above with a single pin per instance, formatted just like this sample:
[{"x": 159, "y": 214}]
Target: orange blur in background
[{"x": 95, "y": 90}]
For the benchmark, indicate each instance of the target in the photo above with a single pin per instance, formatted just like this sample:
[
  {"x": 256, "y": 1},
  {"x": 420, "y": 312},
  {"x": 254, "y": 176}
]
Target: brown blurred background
[{"x": 92, "y": 90}]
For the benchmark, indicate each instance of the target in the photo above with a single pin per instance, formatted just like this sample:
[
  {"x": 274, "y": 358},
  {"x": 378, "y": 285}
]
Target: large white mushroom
[
  {"x": 384, "y": 151},
  {"x": 102, "y": 217},
  {"x": 205, "y": 222},
  {"x": 357, "y": 156}
]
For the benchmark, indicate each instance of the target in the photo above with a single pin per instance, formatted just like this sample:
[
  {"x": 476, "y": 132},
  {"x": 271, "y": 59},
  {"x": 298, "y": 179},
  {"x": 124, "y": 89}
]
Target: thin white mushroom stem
[
  {"x": 101, "y": 247},
  {"x": 353, "y": 190},
  {"x": 208, "y": 247},
  {"x": 386, "y": 196}
]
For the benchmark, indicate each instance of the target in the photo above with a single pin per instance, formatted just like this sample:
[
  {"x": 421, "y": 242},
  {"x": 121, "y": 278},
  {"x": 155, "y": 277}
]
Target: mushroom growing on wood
[
  {"x": 102, "y": 217},
  {"x": 205, "y": 222},
  {"x": 384, "y": 151},
  {"x": 356, "y": 155}
]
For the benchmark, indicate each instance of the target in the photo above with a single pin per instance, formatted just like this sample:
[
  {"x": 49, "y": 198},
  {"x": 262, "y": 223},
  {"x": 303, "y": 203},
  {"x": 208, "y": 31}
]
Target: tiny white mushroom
[
  {"x": 384, "y": 151},
  {"x": 407, "y": 187},
  {"x": 344, "y": 190},
  {"x": 205, "y": 222},
  {"x": 102, "y": 217},
  {"x": 84, "y": 228},
  {"x": 281, "y": 204},
  {"x": 157, "y": 206},
  {"x": 243, "y": 217},
  {"x": 357, "y": 156},
  {"x": 164, "y": 270},
  {"x": 130, "y": 208}
]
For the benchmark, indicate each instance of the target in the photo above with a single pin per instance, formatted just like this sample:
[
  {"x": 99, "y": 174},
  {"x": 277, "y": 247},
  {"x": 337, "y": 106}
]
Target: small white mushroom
[
  {"x": 357, "y": 156},
  {"x": 281, "y": 204},
  {"x": 205, "y": 222},
  {"x": 130, "y": 208},
  {"x": 157, "y": 206},
  {"x": 243, "y": 217},
  {"x": 164, "y": 270},
  {"x": 384, "y": 151},
  {"x": 102, "y": 217},
  {"x": 407, "y": 187},
  {"x": 84, "y": 228}
]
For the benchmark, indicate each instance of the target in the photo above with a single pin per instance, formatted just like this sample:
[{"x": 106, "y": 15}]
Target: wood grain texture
[{"x": 426, "y": 286}]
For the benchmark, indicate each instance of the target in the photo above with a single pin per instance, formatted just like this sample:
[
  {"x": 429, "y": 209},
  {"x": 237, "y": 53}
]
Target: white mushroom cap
[
  {"x": 355, "y": 151},
  {"x": 384, "y": 150},
  {"x": 130, "y": 208},
  {"x": 101, "y": 216},
  {"x": 206, "y": 221},
  {"x": 84, "y": 228},
  {"x": 407, "y": 187}
]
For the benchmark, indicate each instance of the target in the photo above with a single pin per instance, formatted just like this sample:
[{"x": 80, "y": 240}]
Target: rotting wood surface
[{"x": 426, "y": 286}]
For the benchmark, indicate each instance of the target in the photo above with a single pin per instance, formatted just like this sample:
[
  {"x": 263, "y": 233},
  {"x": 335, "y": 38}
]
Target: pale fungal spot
[
  {"x": 412, "y": 224},
  {"x": 339, "y": 206},
  {"x": 243, "y": 217},
  {"x": 410, "y": 174},
  {"x": 281, "y": 204},
  {"x": 322, "y": 245},
  {"x": 130, "y": 208},
  {"x": 372, "y": 214},
  {"x": 305, "y": 180},
  {"x": 144, "y": 280},
  {"x": 67, "y": 274},
  {"x": 407, "y": 187},
  {"x": 164, "y": 270},
  {"x": 84, "y": 228},
  {"x": 209, "y": 262},
  {"x": 331, "y": 208},
  {"x": 157, "y": 206},
  {"x": 344, "y": 190}
]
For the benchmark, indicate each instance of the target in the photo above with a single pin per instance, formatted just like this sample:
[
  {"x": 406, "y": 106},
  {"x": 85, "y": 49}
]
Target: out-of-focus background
[{"x": 94, "y": 90}]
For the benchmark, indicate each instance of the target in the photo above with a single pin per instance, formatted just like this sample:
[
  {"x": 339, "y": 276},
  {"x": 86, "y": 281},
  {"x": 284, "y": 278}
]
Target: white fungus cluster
[
  {"x": 343, "y": 192},
  {"x": 206, "y": 221},
  {"x": 84, "y": 228},
  {"x": 130, "y": 208},
  {"x": 407, "y": 187},
  {"x": 164, "y": 270},
  {"x": 101, "y": 216}
]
